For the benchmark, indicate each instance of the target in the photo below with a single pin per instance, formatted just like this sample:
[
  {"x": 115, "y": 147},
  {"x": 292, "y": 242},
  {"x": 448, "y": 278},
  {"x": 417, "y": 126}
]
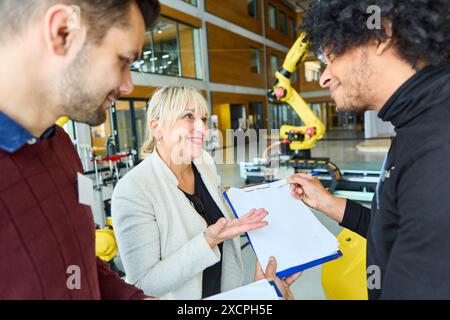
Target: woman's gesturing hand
[{"x": 225, "y": 230}]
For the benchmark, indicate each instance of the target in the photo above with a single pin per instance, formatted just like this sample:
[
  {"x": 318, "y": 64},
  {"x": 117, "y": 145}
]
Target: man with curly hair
[{"x": 401, "y": 70}]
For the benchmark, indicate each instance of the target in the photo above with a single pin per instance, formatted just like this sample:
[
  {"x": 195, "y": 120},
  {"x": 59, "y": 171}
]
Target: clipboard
[{"x": 281, "y": 192}]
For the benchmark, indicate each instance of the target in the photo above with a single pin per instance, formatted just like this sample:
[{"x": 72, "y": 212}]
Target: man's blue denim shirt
[{"x": 13, "y": 136}]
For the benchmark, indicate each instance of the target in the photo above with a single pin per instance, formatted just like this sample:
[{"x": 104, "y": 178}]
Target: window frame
[{"x": 151, "y": 62}]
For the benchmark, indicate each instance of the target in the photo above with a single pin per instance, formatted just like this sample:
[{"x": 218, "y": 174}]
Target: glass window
[
  {"x": 147, "y": 62},
  {"x": 255, "y": 60},
  {"x": 190, "y": 39},
  {"x": 256, "y": 116},
  {"x": 276, "y": 116},
  {"x": 293, "y": 27},
  {"x": 285, "y": 110},
  {"x": 312, "y": 71},
  {"x": 283, "y": 22},
  {"x": 166, "y": 55},
  {"x": 274, "y": 64},
  {"x": 198, "y": 57},
  {"x": 273, "y": 21},
  {"x": 238, "y": 117},
  {"x": 140, "y": 112},
  {"x": 320, "y": 110},
  {"x": 171, "y": 48},
  {"x": 283, "y": 114},
  {"x": 294, "y": 119},
  {"x": 100, "y": 136},
  {"x": 253, "y": 8},
  {"x": 124, "y": 124},
  {"x": 193, "y": 2}
]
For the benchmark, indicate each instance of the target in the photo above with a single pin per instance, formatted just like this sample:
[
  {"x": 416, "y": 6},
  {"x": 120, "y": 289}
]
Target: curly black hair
[{"x": 420, "y": 28}]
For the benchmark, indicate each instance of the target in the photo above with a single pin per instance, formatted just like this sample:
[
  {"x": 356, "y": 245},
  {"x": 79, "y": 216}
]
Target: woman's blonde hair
[{"x": 167, "y": 105}]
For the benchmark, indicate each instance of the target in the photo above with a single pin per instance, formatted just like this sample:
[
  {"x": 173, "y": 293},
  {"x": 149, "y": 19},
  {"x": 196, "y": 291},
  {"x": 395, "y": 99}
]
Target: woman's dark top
[{"x": 205, "y": 205}]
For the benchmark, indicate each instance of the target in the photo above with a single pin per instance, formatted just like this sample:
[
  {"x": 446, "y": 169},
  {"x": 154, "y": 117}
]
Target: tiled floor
[{"x": 345, "y": 155}]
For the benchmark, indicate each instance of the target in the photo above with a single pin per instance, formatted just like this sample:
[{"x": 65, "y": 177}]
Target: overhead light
[
  {"x": 159, "y": 31},
  {"x": 166, "y": 56},
  {"x": 147, "y": 53},
  {"x": 154, "y": 59}
]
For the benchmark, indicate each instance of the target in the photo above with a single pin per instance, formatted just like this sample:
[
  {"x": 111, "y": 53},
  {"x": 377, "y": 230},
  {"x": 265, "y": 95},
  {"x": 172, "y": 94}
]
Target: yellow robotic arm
[{"x": 305, "y": 137}]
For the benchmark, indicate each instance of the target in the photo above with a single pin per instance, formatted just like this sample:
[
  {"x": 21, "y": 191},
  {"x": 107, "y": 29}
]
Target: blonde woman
[{"x": 176, "y": 236}]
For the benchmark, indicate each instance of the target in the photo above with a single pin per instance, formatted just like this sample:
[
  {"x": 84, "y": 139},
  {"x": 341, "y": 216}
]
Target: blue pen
[{"x": 315, "y": 173}]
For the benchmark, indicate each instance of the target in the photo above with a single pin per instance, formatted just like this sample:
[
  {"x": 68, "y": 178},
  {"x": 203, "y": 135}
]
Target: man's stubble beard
[
  {"x": 356, "y": 101},
  {"x": 78, "y": 102}
]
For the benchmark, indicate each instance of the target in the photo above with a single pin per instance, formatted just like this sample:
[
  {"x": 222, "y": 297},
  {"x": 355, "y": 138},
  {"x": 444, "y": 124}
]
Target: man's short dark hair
[
  {"x": 421, "y": 28},
  {"x": 100, "y": 15}
]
